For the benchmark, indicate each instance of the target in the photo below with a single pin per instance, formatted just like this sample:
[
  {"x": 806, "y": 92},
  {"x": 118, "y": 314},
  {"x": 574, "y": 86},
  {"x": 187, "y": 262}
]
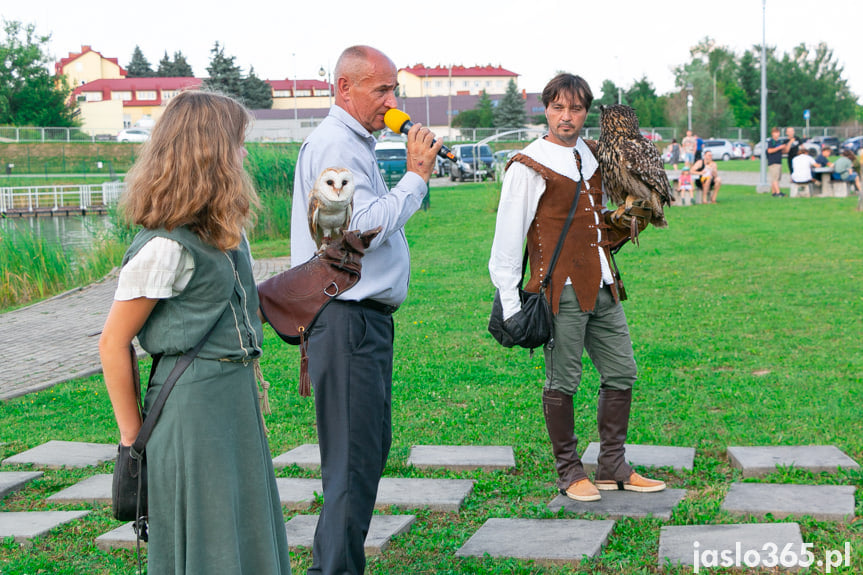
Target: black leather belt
[{"x": 377, "y": 306}]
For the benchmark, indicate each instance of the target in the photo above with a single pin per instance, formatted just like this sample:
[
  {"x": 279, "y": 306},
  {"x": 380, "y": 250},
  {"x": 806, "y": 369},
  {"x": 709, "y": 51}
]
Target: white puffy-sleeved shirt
[
  {"x": 521, "y": 191},
  {"x": 161, "y": 269}
]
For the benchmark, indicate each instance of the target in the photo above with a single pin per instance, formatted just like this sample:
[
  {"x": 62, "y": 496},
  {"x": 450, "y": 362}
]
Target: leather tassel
[
  {"x": 263, "y": 396},
  {"x": 305, "y": 379}
]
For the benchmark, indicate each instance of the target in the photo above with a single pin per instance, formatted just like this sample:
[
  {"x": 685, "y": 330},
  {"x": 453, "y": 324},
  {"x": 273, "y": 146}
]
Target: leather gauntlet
[{"x": 626, "y": 223}]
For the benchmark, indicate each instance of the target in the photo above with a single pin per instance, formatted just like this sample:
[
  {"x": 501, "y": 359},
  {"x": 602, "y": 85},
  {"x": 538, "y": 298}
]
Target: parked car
[
  {"x": 501, "y": 157},
  {"x": 392, "y": 160},
  {"x": 742, "y": 150},
  {"x": 722, "y": 149},
  {"x": 818, "y": 142},
  {"x": 133, "y": 135},
  {"x": 469, "y": 166},
  {"x": 652, "y": 136},
  {"x": 854, "y": 144}
]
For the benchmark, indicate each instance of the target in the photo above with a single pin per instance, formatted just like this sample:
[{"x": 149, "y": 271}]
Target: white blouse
[{"x": 160, "y": 270}]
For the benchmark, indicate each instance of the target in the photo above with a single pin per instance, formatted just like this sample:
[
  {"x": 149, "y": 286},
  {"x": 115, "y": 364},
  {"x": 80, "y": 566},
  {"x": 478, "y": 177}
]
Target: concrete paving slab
[
  {"x": 821, "y": 502},
  {"x": 307, "y": 456},
  {"x": 95, "y": 490},
  {"x": 617, "y": 504},
  {"x": 737, "y": 545},
  {"x": 298, "y": 493},
  {"x": 301, "y": 531},
  {"x": 55, "y": 454},
  {"x": 678, "y": 458},
  {"x": 761, "y": 461},
  {"x": 26, "y": 525},
  {"x": 462, "y": 457},
  {"x": 543, "y": 540},
  {"x": 123, "y": 537},
  {"x": 12, "y": 481},
  {"x": 433, "y": 494}
]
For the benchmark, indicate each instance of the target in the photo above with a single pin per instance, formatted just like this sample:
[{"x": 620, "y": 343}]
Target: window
[
  {"x": 145, "y": 94},
  {"x": 303, "y": 93},
  {"x": 322, "y": 92},
  {"x": 93, "y": 96},
  {"x": 123, "y": 95},
  {"x": 281, "y": 94},
  {"x": 168, "y": 94}
]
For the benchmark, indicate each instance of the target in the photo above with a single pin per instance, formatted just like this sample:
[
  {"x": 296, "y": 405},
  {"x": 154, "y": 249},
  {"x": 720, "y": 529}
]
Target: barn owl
[
  {"x": 632, "y": 167},
  {"x": 331, "y": 203}
]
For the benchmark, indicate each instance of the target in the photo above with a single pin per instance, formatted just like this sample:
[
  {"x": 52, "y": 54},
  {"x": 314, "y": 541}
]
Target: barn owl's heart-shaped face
[{"x": 335, "y": 185}]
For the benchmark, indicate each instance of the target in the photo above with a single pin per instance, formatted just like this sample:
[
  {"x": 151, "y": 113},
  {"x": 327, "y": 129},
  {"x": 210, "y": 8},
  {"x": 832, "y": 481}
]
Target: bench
[{"x": 830, "y": 188}]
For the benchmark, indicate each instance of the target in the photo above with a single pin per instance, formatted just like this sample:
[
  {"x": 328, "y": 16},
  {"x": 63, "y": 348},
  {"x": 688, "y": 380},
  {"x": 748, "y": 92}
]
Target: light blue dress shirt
[{"x": 340, "y": 141}]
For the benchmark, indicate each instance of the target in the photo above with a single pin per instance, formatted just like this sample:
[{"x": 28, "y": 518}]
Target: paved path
[{"x": 57, "y": 339}]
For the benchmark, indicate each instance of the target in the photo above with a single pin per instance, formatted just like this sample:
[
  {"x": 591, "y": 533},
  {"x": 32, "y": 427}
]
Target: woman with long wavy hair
[{"x": 213, "y": 503}]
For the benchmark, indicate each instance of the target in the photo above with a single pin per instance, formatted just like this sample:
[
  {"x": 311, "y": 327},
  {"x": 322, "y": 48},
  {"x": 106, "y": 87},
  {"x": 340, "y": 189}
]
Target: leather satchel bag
[
  {"x": 292, "y": 300},
  {"x": 533, "y": 325}
]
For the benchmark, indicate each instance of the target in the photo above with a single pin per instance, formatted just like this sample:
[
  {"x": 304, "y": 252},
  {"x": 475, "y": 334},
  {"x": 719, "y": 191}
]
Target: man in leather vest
[{"x": 539, "y": 187}]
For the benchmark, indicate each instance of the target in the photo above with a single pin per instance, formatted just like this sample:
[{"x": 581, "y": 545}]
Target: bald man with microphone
[{"x": 350, "y": 347}]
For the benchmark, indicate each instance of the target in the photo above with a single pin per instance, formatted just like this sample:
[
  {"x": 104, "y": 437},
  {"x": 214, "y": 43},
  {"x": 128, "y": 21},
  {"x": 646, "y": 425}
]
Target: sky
[{"x": 618, "y": 40}]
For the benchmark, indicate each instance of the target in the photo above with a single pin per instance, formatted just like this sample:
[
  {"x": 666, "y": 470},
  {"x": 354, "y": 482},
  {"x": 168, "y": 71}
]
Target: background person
[
  {"x": 843, "y": 169},
  {"x": 674, "y": 156},
  {"x": 707, "y": 172},
  {"x": 537, "y": 192},
  {"x": 351, "y": 348},
  {"x": 792, "y": 146},
  {"x": 802, "y": 168},
  {"x": 684, "y": 186},
  {"x": 688, "y": 144},
  {"x": 213, "y": 502},
  {"x": 774, "y": 149}
]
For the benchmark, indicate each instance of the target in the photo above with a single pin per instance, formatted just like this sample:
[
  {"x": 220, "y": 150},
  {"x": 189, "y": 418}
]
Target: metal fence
[
  {"x": 21, "y": 134},
  {"x": 36, "y": 198}
]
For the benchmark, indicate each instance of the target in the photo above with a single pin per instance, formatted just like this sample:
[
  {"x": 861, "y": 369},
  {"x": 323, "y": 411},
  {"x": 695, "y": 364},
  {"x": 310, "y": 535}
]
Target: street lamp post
[
  {"x": 689, "y": 107},
  {"x": 294, "y": 91},
  {"x": 763, "y": 186},
  {"x": 326, "y": 73}
]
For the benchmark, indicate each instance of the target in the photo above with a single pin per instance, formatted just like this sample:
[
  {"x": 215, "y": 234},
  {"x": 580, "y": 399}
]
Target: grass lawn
[{"x": 746, "y": 317}]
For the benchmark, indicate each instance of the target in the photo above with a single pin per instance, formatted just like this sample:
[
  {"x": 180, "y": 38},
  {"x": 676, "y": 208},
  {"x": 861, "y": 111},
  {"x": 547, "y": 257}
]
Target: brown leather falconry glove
[{"x": 627, "y": 223}]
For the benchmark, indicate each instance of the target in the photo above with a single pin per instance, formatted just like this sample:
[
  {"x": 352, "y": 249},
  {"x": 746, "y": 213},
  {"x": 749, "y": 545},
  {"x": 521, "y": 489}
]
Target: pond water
[{"x": 72, "y": 232}]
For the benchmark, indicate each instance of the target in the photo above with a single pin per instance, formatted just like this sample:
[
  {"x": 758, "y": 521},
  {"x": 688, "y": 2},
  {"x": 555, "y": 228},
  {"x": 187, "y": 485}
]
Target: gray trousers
[
  {"x": 603, "y": 332},
  {"x": 350, "y": 364}
]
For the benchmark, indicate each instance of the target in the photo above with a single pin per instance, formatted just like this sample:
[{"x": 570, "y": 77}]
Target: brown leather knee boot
[
  {"x": 612, "y": 470},
  {"x": 612, "y": 418},
  {"x": 560, "y": 422}
]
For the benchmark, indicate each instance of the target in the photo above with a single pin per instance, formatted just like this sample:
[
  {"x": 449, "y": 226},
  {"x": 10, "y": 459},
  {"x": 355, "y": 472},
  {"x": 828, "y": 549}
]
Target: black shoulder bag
[{"x": 533, "y": 325}]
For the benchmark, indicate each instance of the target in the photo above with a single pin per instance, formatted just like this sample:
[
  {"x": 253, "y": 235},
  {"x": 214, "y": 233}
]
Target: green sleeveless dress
[{"x": 213, "y": 501}]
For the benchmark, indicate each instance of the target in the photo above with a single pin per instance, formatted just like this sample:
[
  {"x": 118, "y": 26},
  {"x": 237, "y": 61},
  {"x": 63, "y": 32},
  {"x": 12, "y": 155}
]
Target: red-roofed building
[
  {"x": 109, "y": 105},
  {"x": 86, "y": 66},
  {"x": 419, "y": 81}
]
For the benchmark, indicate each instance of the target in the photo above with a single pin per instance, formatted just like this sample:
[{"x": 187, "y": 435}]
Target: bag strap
[
  {"x": 183, "y": 362},
  {"x": 559, "y": 247}
]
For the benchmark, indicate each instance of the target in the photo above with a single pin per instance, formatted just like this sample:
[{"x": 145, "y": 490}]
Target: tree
[
  {"x": 139, "y": 66},
  {"x": 648, "y": 107},
  {"x": 28, "y": 94},
  {"x": 610, "y": 94},
  {"x": 481, "y": 116},
  {"x": 176, "y": 68},
  {"x": 256, "y": 93},
  {"x": 182, "y": 69},
  {"x": 225, "y": 76},
  {"x": 510, "y": 110}
]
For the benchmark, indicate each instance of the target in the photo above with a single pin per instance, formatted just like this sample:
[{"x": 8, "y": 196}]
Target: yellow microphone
[{"x": 399, "y": 122}]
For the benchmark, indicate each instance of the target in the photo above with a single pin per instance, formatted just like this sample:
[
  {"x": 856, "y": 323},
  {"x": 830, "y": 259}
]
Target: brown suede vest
[{"x": 579, "y": 258}]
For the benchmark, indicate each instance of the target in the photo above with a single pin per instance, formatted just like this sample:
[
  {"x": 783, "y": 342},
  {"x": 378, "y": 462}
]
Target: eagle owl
[
  {"x": 331, "y": 203},
  {"x": 632, "y": 167}
]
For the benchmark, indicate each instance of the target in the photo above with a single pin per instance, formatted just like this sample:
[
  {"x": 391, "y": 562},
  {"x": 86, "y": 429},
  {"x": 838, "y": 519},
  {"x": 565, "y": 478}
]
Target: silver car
[{"x": 722, "y": 149}]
